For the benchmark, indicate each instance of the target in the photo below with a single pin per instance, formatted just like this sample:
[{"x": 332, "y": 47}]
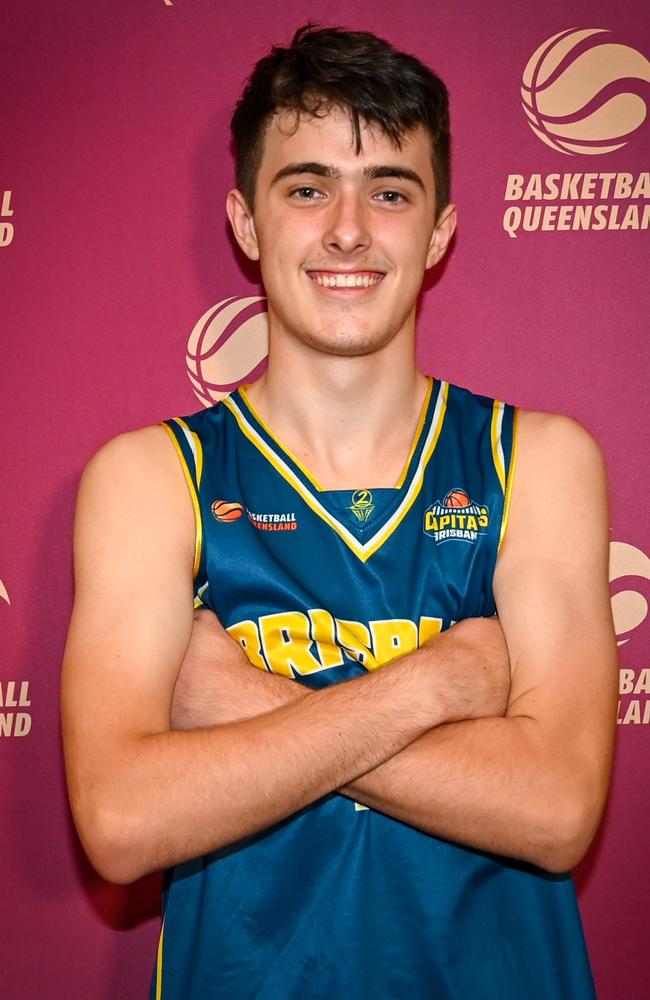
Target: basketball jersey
[{"x": 341, "y": 901}]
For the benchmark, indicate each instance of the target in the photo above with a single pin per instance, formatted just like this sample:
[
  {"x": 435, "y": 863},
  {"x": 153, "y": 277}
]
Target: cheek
[
  {"x": 411, "y": 260},
  {"x": 406, "y": 244},
  {"x": 283, "y": 244}
]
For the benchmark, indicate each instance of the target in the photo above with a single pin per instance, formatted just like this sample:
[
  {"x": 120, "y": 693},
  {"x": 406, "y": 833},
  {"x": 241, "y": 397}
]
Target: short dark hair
[{"x": 324, "y": 68}]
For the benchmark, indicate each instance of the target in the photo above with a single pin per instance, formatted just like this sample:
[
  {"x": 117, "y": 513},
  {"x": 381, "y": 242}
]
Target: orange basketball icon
[
  {"x": 227, "y": 510},
  {"x": 457, "y": 498}
]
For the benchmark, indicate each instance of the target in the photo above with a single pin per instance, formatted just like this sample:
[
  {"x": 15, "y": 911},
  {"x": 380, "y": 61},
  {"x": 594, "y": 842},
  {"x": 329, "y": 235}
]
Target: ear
[
  {"x": 441, "y": 236},
  {"x": 241, "y": 220}
]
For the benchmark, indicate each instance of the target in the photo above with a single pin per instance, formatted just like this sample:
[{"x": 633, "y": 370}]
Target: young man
[{"x": 343, "y": 512}]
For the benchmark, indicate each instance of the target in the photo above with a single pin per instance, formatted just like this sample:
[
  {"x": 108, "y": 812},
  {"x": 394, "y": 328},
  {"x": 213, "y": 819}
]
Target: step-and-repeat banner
[{"x": 123, "y": 301}]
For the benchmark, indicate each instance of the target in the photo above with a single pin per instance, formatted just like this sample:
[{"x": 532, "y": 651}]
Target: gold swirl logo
[
  {"x": 227, "y": 347},
  {"x": 577, "y": 92},
  {"x": 629, "y": 607}
]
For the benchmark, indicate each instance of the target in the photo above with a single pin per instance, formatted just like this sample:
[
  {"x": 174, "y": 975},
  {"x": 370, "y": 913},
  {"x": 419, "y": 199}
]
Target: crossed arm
[
  {"x": 424, "y": 739},
  {"x": 531, "y": 785}
]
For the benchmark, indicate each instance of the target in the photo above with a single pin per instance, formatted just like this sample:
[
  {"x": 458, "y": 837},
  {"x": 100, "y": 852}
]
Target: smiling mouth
[{"x": 358, "y": 279}]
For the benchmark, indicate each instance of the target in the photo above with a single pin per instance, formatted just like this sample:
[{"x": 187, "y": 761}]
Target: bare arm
[
  {"x": 531, "y": 785},
  {"x": 144, "y": 797}
]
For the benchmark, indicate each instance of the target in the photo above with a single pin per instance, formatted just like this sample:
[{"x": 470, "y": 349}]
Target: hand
[
  {"x": 472, "y": 674},
  {"x": 217, "y": 684}
]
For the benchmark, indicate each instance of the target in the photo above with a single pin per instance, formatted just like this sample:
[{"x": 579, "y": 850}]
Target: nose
[{"x": 347, "y": 229}]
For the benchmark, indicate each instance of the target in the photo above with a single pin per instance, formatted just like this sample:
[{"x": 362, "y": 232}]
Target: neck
[{"x": 350, "y": 420}]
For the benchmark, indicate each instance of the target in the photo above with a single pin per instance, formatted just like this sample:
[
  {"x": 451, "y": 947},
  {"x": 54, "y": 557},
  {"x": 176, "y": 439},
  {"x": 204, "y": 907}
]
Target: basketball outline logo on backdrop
[
  {"x": 629, "y": 568},
  {"x": 629, "y": 606},
  {"x": 567, "y": 94},
  {"x": 227, "y": 347},
  {"x": 456, "y": 518},
  {"x": 582, "y": 94}
]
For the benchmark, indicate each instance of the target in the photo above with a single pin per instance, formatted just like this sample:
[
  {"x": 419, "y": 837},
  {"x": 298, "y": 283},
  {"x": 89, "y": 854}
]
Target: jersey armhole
[
  {"x": 188, "y": 448},
  {"x": 510, "y": 477},
  {"x": 158, "y": 972}
]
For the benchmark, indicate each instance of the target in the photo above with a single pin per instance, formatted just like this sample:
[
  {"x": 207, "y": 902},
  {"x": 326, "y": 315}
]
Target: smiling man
[{"x": 284, "y": 679}]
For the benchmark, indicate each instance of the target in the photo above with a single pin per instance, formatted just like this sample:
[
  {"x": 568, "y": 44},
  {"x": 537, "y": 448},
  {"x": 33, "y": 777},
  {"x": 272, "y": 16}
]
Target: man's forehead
[
  {"x": 289, "y": 120},
  {"x": 331, "y": 133}
]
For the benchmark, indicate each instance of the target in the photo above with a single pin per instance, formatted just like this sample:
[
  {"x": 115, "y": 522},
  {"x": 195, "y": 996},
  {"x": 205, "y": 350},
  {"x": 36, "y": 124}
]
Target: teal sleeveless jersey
[{"x": 340, "y": 901}]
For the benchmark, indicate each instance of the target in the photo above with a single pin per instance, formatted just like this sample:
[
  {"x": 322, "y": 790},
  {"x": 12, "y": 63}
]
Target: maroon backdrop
[{"x": 114, "y": 253}]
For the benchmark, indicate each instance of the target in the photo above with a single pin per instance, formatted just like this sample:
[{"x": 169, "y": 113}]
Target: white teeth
[{"x": 347, "y": 280}]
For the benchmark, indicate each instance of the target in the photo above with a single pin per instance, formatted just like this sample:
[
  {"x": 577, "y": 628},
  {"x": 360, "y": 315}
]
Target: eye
[
  {"x": 390, "y": 197},
  {"x": 306, "y": 193}
]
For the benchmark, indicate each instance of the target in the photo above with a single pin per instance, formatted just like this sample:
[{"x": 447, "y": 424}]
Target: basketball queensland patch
[
  {"x": 285, "y": 521},
  {"x": 456, "y": 518},
  {"x": 227, "y": 510}
]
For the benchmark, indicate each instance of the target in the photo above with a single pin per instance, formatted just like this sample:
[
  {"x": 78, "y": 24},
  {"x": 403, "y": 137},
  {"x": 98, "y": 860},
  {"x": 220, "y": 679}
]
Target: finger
[{"x": 204, "y": 613}]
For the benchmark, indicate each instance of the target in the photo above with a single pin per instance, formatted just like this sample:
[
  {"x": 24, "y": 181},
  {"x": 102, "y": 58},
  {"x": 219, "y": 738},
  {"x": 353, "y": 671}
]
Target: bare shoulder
[
  {"x": 141, "y": 463},
  {"x": 556, "y": 452},
  {"x": 135, "y": 454},
  {"x": 134, "y": 490},
  {"x": 134, "y": 551},
  {"x": 558, "y": 510},
  {"x": 551, "y": 578},
  {"x": 557, "y": 434}
]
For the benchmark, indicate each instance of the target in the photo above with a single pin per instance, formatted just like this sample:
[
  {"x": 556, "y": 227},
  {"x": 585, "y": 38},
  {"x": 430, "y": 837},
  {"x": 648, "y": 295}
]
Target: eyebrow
[{"x": 371, "y": 173}]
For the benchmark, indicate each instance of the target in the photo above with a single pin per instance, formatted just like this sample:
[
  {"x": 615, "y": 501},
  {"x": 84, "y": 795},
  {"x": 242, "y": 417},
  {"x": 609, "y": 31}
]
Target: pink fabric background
[{"x": 115, "y": 149}]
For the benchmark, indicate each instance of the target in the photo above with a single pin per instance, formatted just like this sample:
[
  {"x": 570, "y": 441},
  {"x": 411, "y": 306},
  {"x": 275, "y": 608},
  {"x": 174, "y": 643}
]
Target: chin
[{"x": 347, "y": 344}]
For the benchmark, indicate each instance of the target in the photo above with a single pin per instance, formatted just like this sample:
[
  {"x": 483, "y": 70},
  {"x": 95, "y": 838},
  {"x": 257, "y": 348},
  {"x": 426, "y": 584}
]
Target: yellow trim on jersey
[
  {"x": 283, "y": 447},
  {"x": 194, "y": 442},
  {"x": 365, "y": 550},
  {"x": 416, "y": 483},
  {"x": 305, "y": 471},
  {"x": 159, "y": 962},
  {"x": 511, "y": 476},
  {"x": 198, "y": 536},
  {"x": 287, "y": 473},
  {"x": 198, "y": 599},
  {"x": 416, "y": 436},
  {"x": 498, "y": 410}
]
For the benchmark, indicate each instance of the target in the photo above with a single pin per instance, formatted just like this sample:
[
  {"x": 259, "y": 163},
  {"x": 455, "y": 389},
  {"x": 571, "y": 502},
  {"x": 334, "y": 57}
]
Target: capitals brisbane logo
[{"x": 456, "y": 517}]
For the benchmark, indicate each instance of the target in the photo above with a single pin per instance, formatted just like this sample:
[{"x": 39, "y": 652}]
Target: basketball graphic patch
[
  {"x": 457, "y": 498},
  {"x": 227, "y": 510},
  {"x": 456, "y": 517},
  {"x": 362, "y": 505}
]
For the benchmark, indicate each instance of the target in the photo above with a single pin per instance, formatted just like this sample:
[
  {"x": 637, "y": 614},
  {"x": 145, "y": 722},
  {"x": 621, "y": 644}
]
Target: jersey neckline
[
  {"x": 364, "y": 539},
  {"x": 289, "y": 456}
]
